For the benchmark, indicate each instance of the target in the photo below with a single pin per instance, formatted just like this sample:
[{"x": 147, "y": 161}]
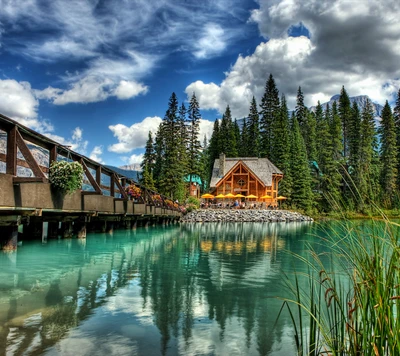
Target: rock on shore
[{"x": 232, "y": 215}]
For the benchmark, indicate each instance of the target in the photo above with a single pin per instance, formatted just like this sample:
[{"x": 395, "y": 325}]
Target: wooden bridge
[{"x": 31, "y": 208}]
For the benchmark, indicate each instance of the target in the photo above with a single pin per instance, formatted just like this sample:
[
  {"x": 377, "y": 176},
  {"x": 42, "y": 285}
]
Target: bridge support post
[
  {"x": 109, "y": 227},
  {"x": 9, "y": 238},
  {"x": 133, "y": 224},
  {"x": 52, "y": 230},
  {"x": 146, "y": 223},
  {"x": 66, "y": 229},
  {"x": 80, "y": 229}
]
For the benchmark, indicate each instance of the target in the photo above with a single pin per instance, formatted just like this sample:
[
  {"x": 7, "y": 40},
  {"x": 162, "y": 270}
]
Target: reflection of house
[
  {"x": 257, "y": 176},
  {"x": 194, "y": 189}
]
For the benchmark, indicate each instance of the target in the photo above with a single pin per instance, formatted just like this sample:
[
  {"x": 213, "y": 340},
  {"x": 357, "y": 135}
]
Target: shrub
[
  {"x": 66, "y": 176},
  {"x": 193, "y": 201}
]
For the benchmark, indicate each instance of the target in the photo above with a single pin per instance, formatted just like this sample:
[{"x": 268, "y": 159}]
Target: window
[{"x": 241, "y": 182}]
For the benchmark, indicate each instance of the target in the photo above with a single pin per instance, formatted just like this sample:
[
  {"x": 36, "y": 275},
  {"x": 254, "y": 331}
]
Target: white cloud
[
  {"x": 135, "y": 136},
  {"x": 135, "y": 159},
  {"x": 129, "y": 89},
  {"x": 212, "y": 42},
  {"x": 17, "y": 100},
  {"x": 206, "y": 129},
  {"x": 77, "y": 134},
  {"x": 74, "y": 143},
  {"x": 96, "y": 153}
]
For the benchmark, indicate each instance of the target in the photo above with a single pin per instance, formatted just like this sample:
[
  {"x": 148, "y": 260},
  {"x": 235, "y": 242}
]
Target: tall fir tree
[
  {"x": 213, "y": 149},
  {"x": 345, "y": 117},
  {"x": 354, "y": 136},
  {"x": 194, "y": 146},
  {"x": 302, "y": 196},
  {"x": 301, "y": 111},
  {"x": 388, "y": 156},
  {"x": 270, "y": 107},
  {"x": 171, "y": 181},
  {"x": 254, "y": 130},
  {"x": 367, "y": 170},
  {"x": 396, "y": 115},
  {"x": 236, "y": 130},
  {"x": 149, "y": 156},
  {"x": 280, "y": 153},
  {"x": 310, "y": 136},
  {"x": 244, "y": 140},
  {"x": 159, "y": 150}
]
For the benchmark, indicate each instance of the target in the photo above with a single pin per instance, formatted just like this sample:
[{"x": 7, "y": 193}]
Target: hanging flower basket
[
  {"x": 66, "y": 176},
  {"x": 133, "y": 191}
]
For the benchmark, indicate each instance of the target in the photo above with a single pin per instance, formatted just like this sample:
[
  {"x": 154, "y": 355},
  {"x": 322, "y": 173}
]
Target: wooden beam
[
  {"x": 122, "y": 190},
  {"x": 90, "y": 177},
  {"x": 33, "y": 165},
  {"x": 18, "y": 180},
  {"x": 22, "y": 163},
  {"x": 11, "y": 163},
  {"x": 112, "y": 186},
  {"x": 53, "y": 154}
]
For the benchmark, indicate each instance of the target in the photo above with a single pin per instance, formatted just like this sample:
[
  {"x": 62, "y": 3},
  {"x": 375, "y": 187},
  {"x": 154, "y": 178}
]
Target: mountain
[
  {"x": 360, "y": 100},
  {"x": 131, "y": 167},
  {"x": 129, "y": 173}
]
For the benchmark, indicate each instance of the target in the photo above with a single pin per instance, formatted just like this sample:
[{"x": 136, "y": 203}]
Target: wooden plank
[
  {"x": 91, "y": 179},
  {"x": 121, "y": 189},
  {"x": 33, "y": 165},
  {"x": 18, "y": 180},
  {"x": 35, "y": 139},
  {"x": 112, "y": 186},
  {"x": 98, "y": 175},
  {"x": 11, "y": 162}
]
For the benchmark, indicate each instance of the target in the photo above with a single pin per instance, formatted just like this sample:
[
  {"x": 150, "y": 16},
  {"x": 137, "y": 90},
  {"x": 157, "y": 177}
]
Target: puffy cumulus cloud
[
  {"x": 212, "y": 42},
  {"x": 355, "y": 44},
  {"x": 135, "y": 136},
  {"x": 134, "y": 159},
  {"x": 206, "y": 129},
  {"x": 96, "y": 153},
  {"x": 75, "y": 142},
  {"x": 17, "y": 100},
  {"x": 129, "y": 89}
]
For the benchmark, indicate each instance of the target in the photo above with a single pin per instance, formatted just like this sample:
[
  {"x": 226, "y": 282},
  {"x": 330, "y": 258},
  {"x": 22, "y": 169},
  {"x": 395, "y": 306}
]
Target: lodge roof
[{"x": 263, "y": 168}]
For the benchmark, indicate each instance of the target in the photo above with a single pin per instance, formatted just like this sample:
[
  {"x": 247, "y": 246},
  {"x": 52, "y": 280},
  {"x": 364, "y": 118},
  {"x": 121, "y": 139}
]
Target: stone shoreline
[{"x": 246, "y": 215}]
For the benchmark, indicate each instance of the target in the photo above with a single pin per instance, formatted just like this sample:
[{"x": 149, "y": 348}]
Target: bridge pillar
[
  {"x": 66, "y": 229},
  {"x": 8, "y": 237},
  {"x": 109, "y": 227},
  {"x": 146, "y": 223},
  {"x": 80, "y": 229},
  {"x": 52, "y": 230},
  {"x": 133, "y": 224}
]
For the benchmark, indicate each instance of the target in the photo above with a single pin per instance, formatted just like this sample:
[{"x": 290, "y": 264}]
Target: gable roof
[{"x": 263, "y": 168}]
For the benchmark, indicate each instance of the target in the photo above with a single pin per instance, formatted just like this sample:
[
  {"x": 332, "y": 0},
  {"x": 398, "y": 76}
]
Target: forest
[{"x": 334, "y": 158}]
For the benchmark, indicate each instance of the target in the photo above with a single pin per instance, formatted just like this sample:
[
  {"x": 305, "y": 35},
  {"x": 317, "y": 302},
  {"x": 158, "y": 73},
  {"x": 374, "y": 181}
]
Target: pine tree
[
  {"x": 147, "y": 179},
  {"x": 159, "y": 150},
  {"x": 354, "y": 136},
  {"x": 213, "y": 149},
  {"x": 236, "y": 130},
  {"x": 244, "y": 140},
  {"x": 366, "y": 168},
  {"x": 396, "y": 115},
  {"x": 254, "y": 130},
  {"x": 172, "y": 172},
  {"x": 194, "y": 146},
  {"x": 149, "y": 156},
  {"x": 302, "y": 196},
  {"x": 227, "y": 137},
  {"x": 280, "y": 153},
  {"x": 345, "y": 117},
  {"x": 310, "y": 136},
  {"x": 269, "y": 110},
  {"x": 388, "y": 156},
  {"x": 301, "y": 111}
]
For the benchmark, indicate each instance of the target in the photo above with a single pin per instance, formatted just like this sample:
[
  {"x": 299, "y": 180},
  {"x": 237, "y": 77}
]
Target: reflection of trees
[{"x": 233, "y": 267}]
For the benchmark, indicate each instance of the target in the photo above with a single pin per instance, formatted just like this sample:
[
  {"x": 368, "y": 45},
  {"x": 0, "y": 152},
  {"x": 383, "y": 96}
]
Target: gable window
[{"x": 241, "y": 182}]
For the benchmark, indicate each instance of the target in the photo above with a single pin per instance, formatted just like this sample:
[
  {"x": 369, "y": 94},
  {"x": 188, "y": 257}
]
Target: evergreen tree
[
  {"x": 310, "y": 136},
  {"x": 269, "y": 110},
  {"x": 254, "y": 130},
  {"x": 194, "y": 146},
  {"x": 301, "y": 111},
  {"x": 172, "y": 172},
  {"x": 159, "y": 150},
  {"x": 227, "y": 137},
  {"x": 302, "y": 196},
  {"x": 280, "y": 153},
  {"x": 149, "y": 156},
  {"x": 345, "y": 117},
  {"x": 244, "y": 140},
  {"x": 396, "y": 115},
  {"x": 367, "y": 169},
  {"x": 236, "y": 130},
  {"x": 388, "y": 156},
  {"x": 354, "y": 136},
  {"x": 213, "y": 150},
  {"x": 203, "y": 165},
  {"x": 147, "y": 179}
]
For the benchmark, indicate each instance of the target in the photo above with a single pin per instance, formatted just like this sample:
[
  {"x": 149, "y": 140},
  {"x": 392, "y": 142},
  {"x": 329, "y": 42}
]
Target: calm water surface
[{"x": 180, "y": 290}]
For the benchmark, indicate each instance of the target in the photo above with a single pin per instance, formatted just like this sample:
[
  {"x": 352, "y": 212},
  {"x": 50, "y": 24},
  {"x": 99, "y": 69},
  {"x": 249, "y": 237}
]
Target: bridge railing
[{"x": 27, "y": 155}]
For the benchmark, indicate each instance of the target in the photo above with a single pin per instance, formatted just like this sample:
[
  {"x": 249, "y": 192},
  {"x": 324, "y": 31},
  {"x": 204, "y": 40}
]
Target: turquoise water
[{"x": 207, "y": 289}]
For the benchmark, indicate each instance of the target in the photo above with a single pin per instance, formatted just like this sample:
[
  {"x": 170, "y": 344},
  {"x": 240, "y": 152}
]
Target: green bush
[
  {"x": 193, "y": 201},
  {"x": 66, "y": 176}
]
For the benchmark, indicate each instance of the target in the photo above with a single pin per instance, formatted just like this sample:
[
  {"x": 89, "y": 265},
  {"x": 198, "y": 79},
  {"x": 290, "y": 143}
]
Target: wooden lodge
[{"x": 246, "y": 176}]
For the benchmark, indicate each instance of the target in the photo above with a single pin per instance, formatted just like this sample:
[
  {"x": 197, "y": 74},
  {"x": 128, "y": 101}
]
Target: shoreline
[{"x": 245, "y": 215}]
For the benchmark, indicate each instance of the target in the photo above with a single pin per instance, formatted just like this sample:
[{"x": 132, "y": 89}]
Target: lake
[{"x": 205, "y": 289}]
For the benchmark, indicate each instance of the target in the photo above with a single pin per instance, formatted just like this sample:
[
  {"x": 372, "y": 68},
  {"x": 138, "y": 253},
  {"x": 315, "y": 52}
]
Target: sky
[{"x": 97, "y": 74}]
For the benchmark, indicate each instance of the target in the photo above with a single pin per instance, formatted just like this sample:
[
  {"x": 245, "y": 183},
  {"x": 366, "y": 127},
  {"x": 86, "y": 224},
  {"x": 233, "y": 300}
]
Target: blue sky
[{"x": 97, "y": 75}]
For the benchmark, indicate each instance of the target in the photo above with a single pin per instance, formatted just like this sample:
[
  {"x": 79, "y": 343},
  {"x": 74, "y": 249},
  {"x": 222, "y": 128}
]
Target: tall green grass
[{"x": 348, "y": 301}]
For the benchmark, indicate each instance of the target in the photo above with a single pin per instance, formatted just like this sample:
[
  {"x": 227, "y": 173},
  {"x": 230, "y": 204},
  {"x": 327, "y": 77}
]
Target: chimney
[{"x": 222, "y": 164}]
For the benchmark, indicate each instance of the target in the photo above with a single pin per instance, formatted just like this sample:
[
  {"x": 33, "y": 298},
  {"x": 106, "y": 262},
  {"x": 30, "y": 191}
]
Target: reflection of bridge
[{"x": 29, "y": 206}]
